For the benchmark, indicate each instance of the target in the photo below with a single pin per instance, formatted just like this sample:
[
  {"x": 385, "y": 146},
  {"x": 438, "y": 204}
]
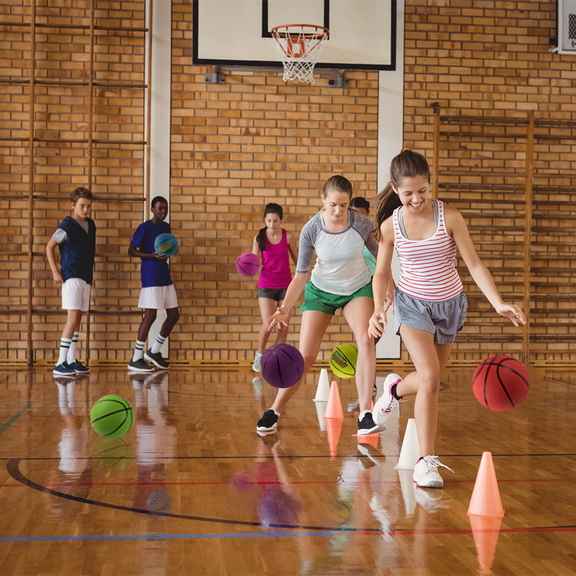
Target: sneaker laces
[{"x": 432, "y": 464}]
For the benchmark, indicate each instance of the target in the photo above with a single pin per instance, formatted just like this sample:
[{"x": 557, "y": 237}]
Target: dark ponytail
[
  {"x": 407, "y": 164},
  {"x": 270, "y": 208}
]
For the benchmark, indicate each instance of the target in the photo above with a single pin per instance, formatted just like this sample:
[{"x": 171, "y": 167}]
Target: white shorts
[
  {"x": 76, "y": 295},
  {"x": 158, "y": 298}
]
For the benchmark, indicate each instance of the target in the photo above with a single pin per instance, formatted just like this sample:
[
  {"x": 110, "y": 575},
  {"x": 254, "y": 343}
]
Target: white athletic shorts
[
  {"x": 76, "y": 295},
  {"x": 158, "y": 298}
]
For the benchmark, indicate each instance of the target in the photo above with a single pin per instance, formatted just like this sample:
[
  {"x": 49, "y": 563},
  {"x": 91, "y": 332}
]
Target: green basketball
[
  {"x": 343, "y": 360},
  {"x": 112, "y": 416}
]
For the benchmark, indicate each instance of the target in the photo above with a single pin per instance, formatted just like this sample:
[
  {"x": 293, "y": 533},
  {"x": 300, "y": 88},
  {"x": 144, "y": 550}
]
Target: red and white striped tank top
[{"x": 427, "y": 267}]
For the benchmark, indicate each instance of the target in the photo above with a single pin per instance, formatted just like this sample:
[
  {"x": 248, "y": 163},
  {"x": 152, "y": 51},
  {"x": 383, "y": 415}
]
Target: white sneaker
[
  {"x": 256, "y": 364},
  {"x": 426, "y": 472},
  {"x": 386, "y": 403}
]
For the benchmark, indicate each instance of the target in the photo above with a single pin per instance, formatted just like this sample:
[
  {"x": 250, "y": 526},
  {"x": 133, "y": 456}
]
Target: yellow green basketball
[
  {"x": 112, "y": 416},
  {"x": 343, "y": 360}
]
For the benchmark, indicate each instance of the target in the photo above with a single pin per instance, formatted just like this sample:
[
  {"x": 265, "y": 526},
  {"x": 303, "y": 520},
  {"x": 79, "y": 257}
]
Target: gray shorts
[
  {"x": 276, "y": 294},
  {"x": 443, "y": 319}
]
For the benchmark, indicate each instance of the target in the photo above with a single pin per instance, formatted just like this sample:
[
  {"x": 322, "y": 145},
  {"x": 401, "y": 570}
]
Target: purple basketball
[
  {"x": 282, "y": 365},
  {"x": 248, "y": 264}
]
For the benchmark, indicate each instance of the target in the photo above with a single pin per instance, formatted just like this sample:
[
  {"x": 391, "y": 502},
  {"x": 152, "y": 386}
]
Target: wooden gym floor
[{"x": 192, "y": 489}]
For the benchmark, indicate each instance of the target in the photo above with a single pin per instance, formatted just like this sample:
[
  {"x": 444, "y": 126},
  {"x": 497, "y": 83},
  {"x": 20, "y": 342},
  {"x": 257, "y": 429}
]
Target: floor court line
[
  {"x": 9, "y": 423},
  {"x": 15, "y": 472},
  {"x": 262, "y": 483},
  {"x": 232, "y": 535},
  {"x": 292, "y": 457}
]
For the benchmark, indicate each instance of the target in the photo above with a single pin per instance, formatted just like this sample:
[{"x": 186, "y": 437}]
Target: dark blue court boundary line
[
  {"x": 7, "y": 425},
  {"x": 14, "y": 471}
]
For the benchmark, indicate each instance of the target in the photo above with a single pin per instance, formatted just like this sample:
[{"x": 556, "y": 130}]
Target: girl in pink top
[
  {"x": 274, "y": 246},
  {"x": 429, "y": 305}
]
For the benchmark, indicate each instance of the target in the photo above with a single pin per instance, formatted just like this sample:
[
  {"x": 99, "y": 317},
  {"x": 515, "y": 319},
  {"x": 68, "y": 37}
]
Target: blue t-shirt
[{"x": 152, "y": 272}]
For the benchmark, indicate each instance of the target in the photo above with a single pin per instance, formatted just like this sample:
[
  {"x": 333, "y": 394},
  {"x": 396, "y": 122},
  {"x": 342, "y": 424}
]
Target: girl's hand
[
  {"x": 58, "y": 278},
  {"x": 513, "y": 312},
  {"x": 279, "y": 317},
  {"x": 376, "y": 323}
]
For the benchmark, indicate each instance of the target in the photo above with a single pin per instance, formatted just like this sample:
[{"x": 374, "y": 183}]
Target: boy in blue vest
[
  {"x": 157, "y": 293},
  {"x": 76, "y": 239}
]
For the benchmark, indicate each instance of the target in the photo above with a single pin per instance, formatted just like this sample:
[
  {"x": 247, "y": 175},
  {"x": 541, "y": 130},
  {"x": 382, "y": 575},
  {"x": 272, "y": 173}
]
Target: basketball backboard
[{"x": 237, "y": 32}]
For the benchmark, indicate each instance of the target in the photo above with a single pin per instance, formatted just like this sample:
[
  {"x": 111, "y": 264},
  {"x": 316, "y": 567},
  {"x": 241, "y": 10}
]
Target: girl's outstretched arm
[{"x": 479, "y": 272}]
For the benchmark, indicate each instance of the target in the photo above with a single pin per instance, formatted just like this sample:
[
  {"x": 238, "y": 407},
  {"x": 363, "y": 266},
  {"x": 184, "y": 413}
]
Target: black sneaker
[
  {"x": 156, "y": 359},
  {"x": 368, "y": 426},
  {"x": 139, "y": 366},
  {"x": 267, "y": 424}
]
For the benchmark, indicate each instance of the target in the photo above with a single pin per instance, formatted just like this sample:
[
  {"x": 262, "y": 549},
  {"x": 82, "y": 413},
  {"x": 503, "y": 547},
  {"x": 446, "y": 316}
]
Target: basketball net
[{"x": 300, "y": 47}]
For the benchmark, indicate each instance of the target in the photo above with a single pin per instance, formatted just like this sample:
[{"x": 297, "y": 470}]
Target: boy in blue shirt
[
  {"x": 158, "y": 292},
  {"x": 76, "y": 238}
]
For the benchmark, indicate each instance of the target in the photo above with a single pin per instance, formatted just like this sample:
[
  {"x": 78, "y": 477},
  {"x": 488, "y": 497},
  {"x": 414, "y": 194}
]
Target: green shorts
[{"x": 316, "y": 299}]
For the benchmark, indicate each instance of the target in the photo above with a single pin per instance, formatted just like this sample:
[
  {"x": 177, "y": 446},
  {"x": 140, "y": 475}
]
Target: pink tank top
[
  {"x": 428, "y": 267},
  {"x": 275, "y": 272}
]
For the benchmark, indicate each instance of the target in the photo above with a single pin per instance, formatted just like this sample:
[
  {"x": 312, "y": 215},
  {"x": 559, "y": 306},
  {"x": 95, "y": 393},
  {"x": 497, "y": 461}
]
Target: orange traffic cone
[
  {"x": 333, "y": 430},
  {"x": 485, "y": 499},
  {"x": 334, "y": 406},
  {"x": 371, "y": 439},
  {"x": 485, "y": 530}
]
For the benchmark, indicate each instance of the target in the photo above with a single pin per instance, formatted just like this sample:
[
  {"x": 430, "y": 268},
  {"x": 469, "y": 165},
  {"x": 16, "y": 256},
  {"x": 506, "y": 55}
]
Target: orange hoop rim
[{"x": 321, "y": 32}]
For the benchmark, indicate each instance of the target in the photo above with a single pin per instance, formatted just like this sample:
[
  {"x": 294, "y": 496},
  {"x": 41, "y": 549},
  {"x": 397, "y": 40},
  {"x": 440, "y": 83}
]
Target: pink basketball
[
  {"x": 248, "y": 264},
  {"x": 282, "y": 365}
]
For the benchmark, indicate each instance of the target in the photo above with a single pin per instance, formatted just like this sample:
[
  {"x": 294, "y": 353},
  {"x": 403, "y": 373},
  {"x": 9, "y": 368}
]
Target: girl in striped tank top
[{"x": 429, "y": 304}]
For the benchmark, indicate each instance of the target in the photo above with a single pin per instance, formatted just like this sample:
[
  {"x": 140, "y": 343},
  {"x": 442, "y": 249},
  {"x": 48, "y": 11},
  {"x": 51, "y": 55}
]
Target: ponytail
[
  {"x": 261, "y": 239},
  {"x": 386, "y": 202}
]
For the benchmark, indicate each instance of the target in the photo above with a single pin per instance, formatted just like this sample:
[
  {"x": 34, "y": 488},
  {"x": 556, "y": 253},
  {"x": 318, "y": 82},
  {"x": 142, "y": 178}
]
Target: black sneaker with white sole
[
  {"x": 157, "y": 359},
  {"x": 267, "y": 424},
  {"x": 367, "y": 425}
]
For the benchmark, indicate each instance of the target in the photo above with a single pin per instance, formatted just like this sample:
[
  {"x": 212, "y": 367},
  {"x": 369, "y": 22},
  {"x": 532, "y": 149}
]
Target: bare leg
[
  {"x": 312, "y": 331},
  {"x": 357, "y": 313},
  {"x": 267, "y": 308},
  {"x": 73, "y": 319},
  {"x": 429, "y": 359},
  {"x": 148, "y": 318},
  {"x": 172, "y": 316}
]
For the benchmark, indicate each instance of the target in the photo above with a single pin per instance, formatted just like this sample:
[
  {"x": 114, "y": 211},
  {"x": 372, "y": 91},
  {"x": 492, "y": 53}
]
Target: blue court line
[
  {"x": 15, "y": 417},
  {"x": 165, "y": 536}
]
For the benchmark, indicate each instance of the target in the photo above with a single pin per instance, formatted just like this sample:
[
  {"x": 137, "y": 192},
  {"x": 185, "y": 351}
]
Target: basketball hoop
[{"x": 299, "y": 46}]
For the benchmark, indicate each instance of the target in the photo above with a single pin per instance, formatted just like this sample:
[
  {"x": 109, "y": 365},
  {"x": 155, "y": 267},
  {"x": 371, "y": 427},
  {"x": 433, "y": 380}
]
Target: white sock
[
  {"x": 138, "y": 350},
  {"x": 362, "y": 414},
  {"x": 157, "y": 344},
  {"x": 72, "y": 350},
  {"x": 64, "y": 348}
]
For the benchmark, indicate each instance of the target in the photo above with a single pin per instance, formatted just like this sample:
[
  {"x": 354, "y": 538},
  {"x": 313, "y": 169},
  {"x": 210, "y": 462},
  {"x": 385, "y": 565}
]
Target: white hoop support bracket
[{"x": 299, "y": 47}]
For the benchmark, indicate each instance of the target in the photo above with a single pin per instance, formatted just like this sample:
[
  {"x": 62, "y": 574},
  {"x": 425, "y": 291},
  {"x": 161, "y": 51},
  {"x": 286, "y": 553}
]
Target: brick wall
[{"x": 254, "y": 139}]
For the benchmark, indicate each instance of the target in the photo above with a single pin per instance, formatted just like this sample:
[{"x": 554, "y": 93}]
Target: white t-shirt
[{"x": 340, "y": 267}]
